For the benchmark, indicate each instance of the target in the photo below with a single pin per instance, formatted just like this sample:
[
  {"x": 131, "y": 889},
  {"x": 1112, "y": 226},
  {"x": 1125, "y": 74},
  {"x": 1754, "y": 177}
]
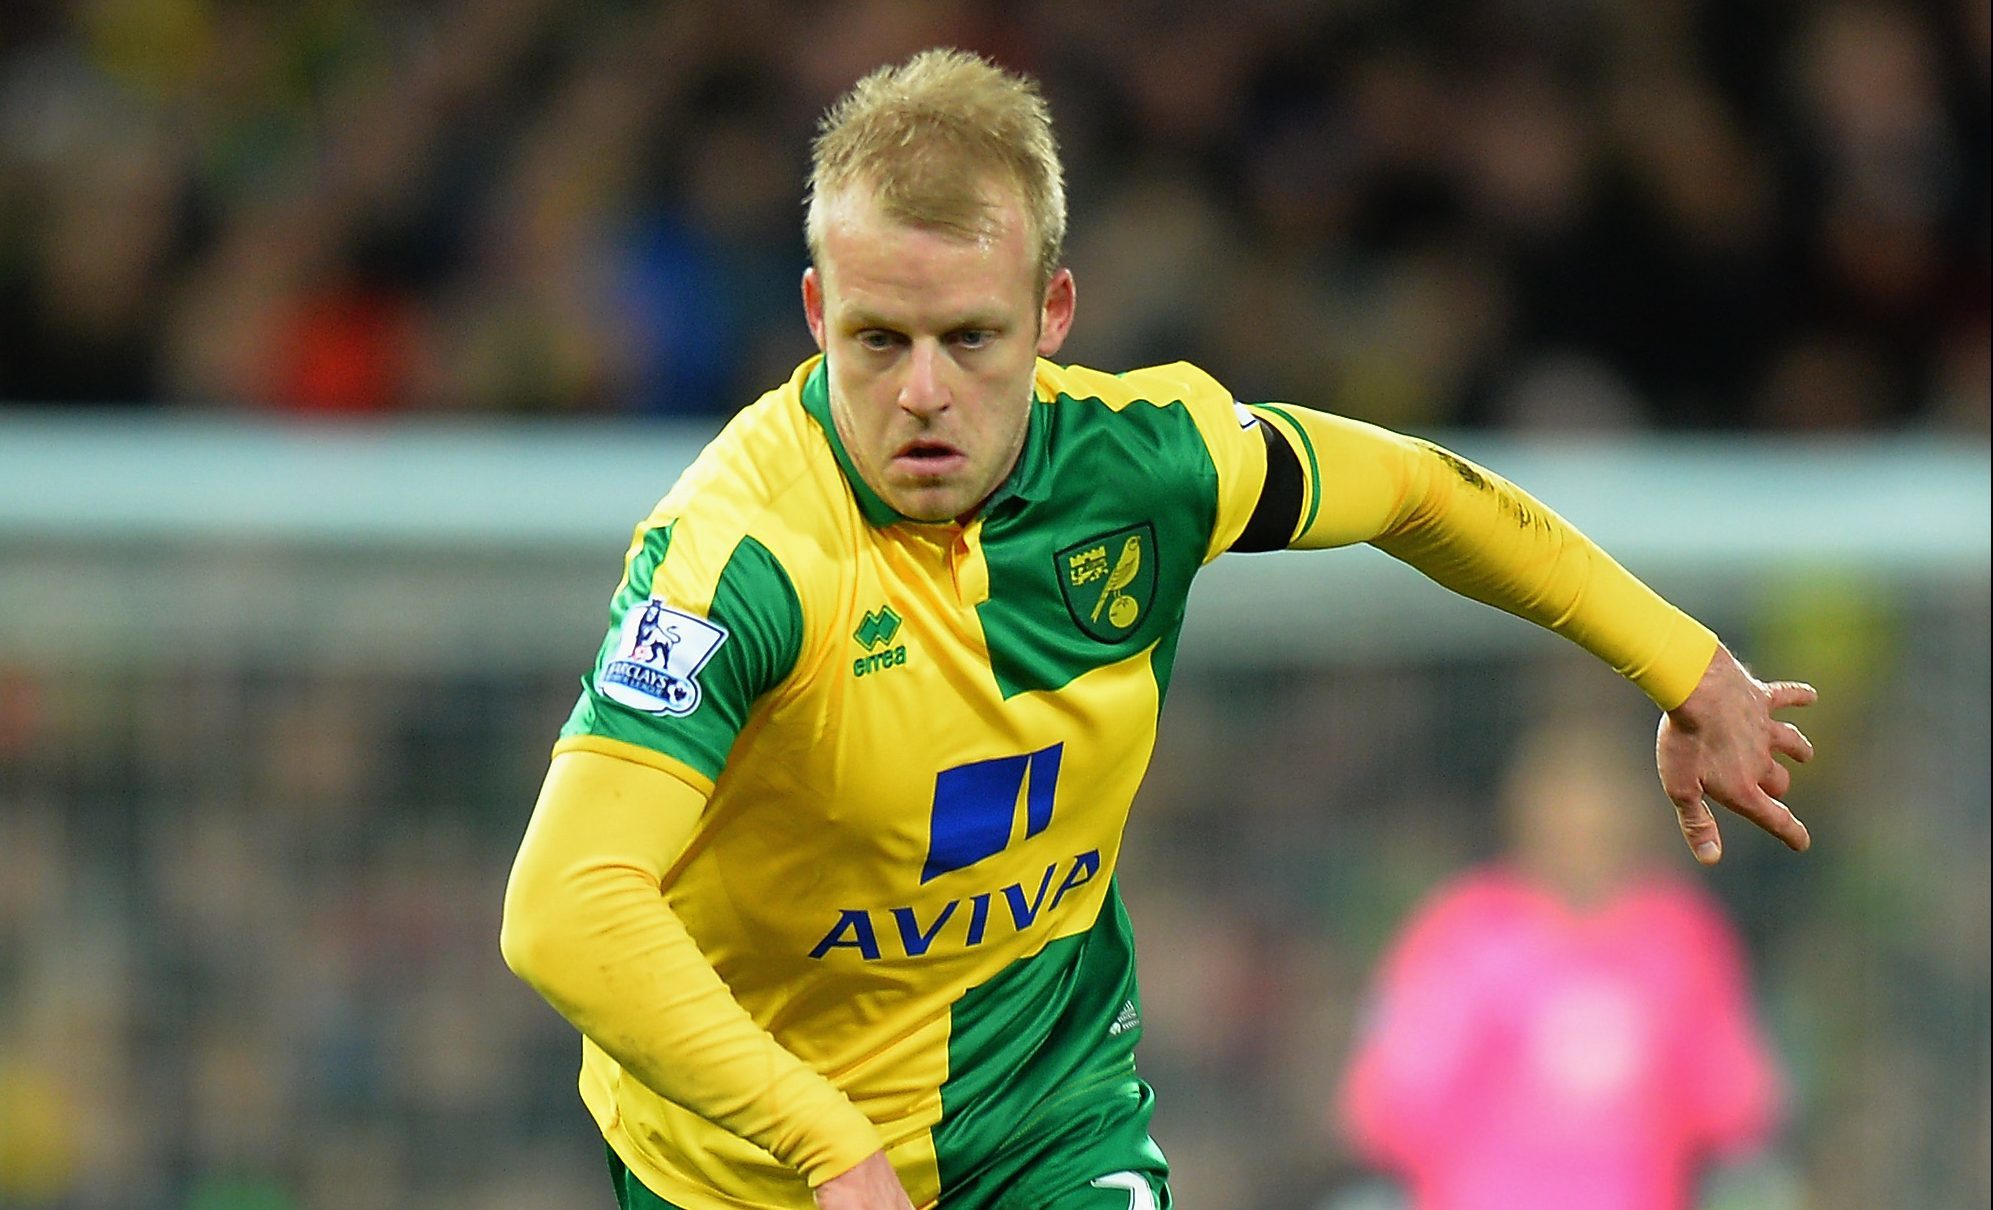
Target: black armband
[{"x": 1279, "y": 507}]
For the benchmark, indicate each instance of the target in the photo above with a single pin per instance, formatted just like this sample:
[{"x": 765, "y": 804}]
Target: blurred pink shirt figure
[{"x": 1526, "y": 1056}]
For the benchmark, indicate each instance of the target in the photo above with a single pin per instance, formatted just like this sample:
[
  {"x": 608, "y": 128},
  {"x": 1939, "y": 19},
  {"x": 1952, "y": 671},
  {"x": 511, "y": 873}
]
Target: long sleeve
[
  {"x": 586, "y": 924},
  {"x": 1481, "y": 536}
]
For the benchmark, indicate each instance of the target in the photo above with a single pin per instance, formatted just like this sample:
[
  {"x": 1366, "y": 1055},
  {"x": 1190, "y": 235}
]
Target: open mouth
[{"x": 928, "y": 457}]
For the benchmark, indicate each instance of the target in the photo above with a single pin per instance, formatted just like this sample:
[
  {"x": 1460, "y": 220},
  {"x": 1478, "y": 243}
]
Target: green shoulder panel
[
  {"x": 681, "y": 684},
  {"x": 1092, "y": 563}
]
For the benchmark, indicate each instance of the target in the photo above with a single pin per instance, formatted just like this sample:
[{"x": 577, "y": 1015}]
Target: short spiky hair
[{"x": 930, "y": 137}]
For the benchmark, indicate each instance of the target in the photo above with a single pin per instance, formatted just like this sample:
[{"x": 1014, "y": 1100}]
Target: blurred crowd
[
  {"x": 1593, "y": 213},
  {"x": 247, "y": 955},
  {"x": 249, "y": 906}
]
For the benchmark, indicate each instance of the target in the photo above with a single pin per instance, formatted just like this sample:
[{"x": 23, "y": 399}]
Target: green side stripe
[
  {"x": 1314, "y": 467},
  {"x": 631, "y": 1193},
  {"x": 1034, "y": 1052}
]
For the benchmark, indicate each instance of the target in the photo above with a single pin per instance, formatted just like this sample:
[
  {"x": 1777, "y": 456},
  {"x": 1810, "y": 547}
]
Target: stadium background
[{"x": 341, "y": 341}]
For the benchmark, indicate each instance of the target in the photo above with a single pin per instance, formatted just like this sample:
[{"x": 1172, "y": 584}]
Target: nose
[{"x": 922, "y": 391}]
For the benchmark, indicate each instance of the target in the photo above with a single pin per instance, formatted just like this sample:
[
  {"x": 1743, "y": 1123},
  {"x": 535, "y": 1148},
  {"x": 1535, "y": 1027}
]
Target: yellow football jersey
[{"x": 922, "y": 742}]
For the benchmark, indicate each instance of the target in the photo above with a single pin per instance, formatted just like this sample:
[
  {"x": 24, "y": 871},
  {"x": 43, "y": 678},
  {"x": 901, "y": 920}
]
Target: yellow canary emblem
[
  {"x": 1108, "y": 597},
  {"x": 1126, "y": 568}
]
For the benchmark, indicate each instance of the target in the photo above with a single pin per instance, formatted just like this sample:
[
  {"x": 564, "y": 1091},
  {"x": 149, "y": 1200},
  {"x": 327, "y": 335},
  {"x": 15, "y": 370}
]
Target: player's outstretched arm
[
  {"x": 1483, "y": 537},
  {"x": 872, "y": 1185},
  {"x": 1722, "y": 743}
]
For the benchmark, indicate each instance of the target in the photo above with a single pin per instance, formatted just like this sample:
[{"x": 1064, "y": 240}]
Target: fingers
[
  {"x": 1776, "y": 781},
  {"x": 1777, "y": 818},
  {"x": 1792, "y": 693},
  {"x": 1733, "y": 761},
  {"x": 1788, "y": 740},
  {"x": 1699, "y": 827},
  {"x": 1765, "y": 810},
  {"x": 1761, "y": 805}
]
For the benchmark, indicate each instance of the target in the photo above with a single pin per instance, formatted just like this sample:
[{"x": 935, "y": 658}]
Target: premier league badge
[{"x": 658, "y": 655}]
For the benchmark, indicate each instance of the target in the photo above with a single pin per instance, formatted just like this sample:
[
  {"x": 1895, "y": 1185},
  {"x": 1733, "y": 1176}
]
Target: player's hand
[
  {"x": 872, "y": 1185},
  {"x": 1723, "y": 744}
]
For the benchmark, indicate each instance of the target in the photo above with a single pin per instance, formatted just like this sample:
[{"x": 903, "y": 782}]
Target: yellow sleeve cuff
[{"x": 1677, "y": 668}]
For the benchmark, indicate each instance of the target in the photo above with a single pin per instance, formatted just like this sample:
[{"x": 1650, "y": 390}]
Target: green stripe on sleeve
[
  {"x": 1314, "y": 466},
  {"x": 756, "y": 605}
]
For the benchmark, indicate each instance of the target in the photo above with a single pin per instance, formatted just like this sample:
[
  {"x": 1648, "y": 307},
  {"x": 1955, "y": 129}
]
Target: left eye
[{"x": 973, "y": 338}]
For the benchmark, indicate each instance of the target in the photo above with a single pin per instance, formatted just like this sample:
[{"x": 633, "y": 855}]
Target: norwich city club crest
[{"x": 1109, "y": 582}]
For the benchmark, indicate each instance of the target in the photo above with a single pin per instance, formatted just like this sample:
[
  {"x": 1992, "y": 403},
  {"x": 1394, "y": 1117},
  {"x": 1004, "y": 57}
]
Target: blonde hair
[{"x": 927, "y": 136}]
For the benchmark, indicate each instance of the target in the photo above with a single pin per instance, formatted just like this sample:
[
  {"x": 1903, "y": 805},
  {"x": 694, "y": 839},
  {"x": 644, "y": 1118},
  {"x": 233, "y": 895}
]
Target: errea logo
[
  {"x": 878, "y": 628},
  {"x": 875, "y": 633}
]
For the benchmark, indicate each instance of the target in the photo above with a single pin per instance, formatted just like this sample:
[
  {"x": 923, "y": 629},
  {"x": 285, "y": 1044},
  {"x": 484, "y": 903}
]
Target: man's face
[{"x": 931, "y": 342}]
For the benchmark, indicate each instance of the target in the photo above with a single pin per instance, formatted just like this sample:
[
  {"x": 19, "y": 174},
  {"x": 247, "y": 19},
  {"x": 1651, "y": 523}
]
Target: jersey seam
[{"x": 636, "y": 754}]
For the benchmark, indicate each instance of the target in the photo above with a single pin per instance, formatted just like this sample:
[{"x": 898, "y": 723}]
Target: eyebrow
[{"x": 858, "y": 319}]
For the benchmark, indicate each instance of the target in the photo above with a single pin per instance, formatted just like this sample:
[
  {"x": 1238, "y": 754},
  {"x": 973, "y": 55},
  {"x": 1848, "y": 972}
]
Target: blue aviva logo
[
  {"x": 975, "y": 816},
  {"x": 975, "y": 808}
]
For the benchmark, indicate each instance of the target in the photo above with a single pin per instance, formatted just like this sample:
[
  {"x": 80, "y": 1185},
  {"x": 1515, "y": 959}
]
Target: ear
[
  {"x": 1056, "y": 317},
  {"x": 813, "y": 305}
]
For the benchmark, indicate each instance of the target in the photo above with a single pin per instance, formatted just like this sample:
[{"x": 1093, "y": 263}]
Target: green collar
[{"x": 1028, "y": 480}]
